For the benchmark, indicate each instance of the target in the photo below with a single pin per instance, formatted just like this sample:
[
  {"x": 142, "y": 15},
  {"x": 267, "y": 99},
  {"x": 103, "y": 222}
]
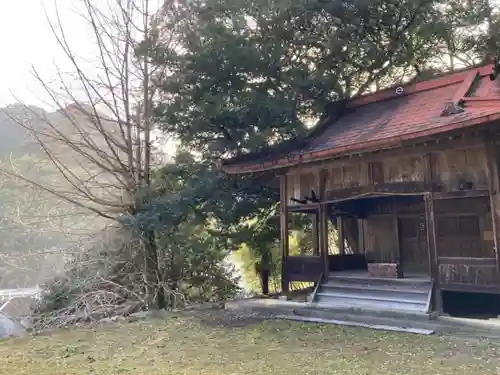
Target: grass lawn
[{"x": 213, "y": 344}]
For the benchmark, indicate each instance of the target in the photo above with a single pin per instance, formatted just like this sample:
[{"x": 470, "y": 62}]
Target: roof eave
[{"x": 358, "y": 147}]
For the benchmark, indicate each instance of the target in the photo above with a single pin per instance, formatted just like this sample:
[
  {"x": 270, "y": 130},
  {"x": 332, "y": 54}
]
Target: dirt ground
[{"x": 219, "y": 342}]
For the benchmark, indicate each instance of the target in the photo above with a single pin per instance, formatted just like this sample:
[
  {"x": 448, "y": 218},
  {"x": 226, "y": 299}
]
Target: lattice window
[{"x": 459, "y": 226}]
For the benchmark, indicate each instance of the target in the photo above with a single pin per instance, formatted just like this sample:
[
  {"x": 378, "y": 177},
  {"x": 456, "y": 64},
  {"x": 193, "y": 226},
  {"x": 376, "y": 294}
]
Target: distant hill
[{"x": 38, "y": 230}]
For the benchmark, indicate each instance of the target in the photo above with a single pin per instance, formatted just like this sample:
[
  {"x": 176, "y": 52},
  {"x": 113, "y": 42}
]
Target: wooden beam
[
  {"x": 494, "y": 193},
  {"x": 461, "y": 139},
  {"x": 284, "y": 233},
  {"x": 430, "y": 218},
  {"x": 467, "y": 261},
  {"x": 461, "y": 194},
  {"x": 385, "y": 189},
  {"x": 303, "y": 208}
]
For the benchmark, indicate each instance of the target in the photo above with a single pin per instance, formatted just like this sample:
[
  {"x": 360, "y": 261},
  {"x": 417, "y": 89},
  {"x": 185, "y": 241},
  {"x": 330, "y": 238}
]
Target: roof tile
[{"x": 412, "y": 113}]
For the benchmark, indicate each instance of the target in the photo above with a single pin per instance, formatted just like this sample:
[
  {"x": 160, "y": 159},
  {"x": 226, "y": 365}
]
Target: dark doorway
[{"x": 471, "y": 305}]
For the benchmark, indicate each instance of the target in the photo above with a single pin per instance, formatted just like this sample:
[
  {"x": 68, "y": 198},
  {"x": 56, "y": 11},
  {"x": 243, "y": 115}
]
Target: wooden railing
[
  {"x": 310, "y": 268},
  {"x": 347, "y": 262},
  {"x": 303, "y": 268},
  {"x": 468, "y": 274}
]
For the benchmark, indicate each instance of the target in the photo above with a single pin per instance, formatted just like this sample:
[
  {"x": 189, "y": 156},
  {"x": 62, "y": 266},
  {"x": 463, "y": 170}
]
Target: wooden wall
[
  {"x": 381, "y": 241},
  {"x": 464, "y": 228},
  {"x": 453, "y": 169},
  {"x": 453, "y": 166}
]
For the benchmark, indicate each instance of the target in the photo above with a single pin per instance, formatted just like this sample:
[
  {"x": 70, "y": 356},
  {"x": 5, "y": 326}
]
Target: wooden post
[
  {"x": 315, "y": 234},
  {"x": 323, "y": 222},
  {"x": 430, "y": 217},
  {"x": 340, "y": 232},
  {"x": 284, "y": 232},
  {"x": 361, "y": 236},
  {"x": 400, "y": 259},
  {"x": 428, "y": 180},
  {"x": 494, "y": 189},
  {"x": 323, "y": 232}
]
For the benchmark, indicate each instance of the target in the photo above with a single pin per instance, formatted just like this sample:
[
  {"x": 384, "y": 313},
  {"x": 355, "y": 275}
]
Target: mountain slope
[{"x": 38, "y": 230}]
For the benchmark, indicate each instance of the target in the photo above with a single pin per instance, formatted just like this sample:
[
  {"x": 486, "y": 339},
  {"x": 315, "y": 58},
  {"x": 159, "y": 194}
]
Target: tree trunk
[
  {"x": 152, "y": 271},
  {"x": 264, "y": 278}
]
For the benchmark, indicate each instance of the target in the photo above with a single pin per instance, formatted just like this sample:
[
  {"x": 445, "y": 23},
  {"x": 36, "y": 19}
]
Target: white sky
[{"x": 27, "y": 40}]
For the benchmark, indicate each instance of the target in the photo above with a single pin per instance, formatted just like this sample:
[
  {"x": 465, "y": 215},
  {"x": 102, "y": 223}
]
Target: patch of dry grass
[{"x": 197, "y": 345}]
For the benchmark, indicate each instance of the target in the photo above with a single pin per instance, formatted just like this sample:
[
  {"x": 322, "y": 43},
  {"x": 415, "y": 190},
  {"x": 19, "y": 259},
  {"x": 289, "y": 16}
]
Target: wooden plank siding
[
  {"x": 468, "y": 274},
  {"x": 452, "y": 170}
]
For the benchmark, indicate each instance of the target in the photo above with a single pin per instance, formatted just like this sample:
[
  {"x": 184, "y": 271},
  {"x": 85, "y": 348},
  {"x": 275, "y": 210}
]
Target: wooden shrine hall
[{"x": 409, "y": 177}]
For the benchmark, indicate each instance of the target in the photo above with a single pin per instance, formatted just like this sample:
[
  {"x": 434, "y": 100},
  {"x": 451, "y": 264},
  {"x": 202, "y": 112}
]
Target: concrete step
[
  {"x": 396, "y": 287},
  {"x": 376, "y": 282},
  {"x": 377, "y": 298},
  {"x": 367, "y": 314},
  {"x": 359, "y": 304},
  {"x": 374, "y": 294}
]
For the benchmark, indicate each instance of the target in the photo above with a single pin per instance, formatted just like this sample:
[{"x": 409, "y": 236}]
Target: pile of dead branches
[
  {"x": 109, "y": 279},
  {"x": 104, "y": 280}
]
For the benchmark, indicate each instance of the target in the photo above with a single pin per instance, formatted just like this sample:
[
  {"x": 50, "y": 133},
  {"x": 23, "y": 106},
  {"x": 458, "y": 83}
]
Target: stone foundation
[{"x": 388, "y": 270}]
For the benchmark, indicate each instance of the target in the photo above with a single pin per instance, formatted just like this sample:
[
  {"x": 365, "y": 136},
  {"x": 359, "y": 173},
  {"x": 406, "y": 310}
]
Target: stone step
[
  {"x": 347, "y": 312},
  {"x": 379, "y": 305},
  {"x": 408, "y": 283},
  {"x": 375, "y": 293},
  {"x": 376, "y": 297},
  {"x": 396, "y": 287}
]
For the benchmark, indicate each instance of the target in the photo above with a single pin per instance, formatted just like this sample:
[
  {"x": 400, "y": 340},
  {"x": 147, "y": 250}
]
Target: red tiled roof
[{"x": 390, "y": 116}]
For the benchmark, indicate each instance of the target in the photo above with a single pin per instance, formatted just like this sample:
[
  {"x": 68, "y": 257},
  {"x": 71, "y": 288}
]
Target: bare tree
[{"x": 100, "y": 136}]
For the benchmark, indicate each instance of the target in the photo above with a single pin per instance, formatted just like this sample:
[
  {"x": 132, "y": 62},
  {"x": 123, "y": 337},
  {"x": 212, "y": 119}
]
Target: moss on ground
[{"x": 211, "y": 343}]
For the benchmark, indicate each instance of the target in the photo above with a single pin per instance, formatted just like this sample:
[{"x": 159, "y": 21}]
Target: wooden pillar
[
  {"x": 284, "y": 232},
  {"x": 494, "y": 189},
  {"x": 429, "y": 206},
  {"x": 430, "y": 217},
  {"x": 323, "y": 222},
  {"x": 323, "y": 232},
  {"x": 361, "y": 236},
  {"x": 400, "y": 259},
  {"x": 340, "y": 232},
  {"x": 315, "y": 234}
]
